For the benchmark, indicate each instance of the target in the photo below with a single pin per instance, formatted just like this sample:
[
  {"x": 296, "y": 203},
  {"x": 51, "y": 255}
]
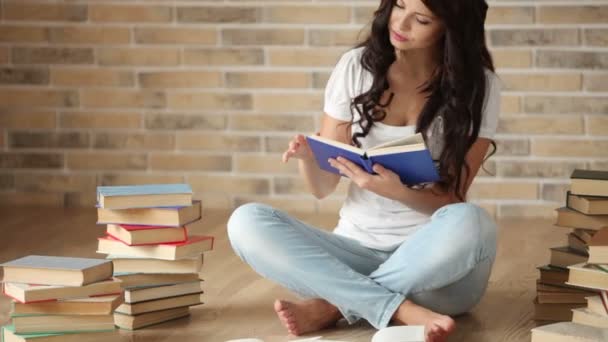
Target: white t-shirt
[{"x": 376, "y": 221}]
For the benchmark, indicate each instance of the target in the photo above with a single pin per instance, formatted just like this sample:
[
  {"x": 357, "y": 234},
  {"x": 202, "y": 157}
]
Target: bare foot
[
  {"x": 437, "y": 326},
  {"x": 306, "y": 316}
]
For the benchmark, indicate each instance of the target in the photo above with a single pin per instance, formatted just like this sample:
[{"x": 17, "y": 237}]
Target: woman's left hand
[{"x": 385, "y": 183}]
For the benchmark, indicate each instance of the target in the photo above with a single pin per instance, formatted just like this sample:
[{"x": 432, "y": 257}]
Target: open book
[
  {"x": 401, "y": 333},
  {"x": 408, "y": 157}
]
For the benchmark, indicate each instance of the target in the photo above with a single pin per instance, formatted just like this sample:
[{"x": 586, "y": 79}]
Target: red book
[
  {"x": 135, "y": 235},
  {"x": 194, "y": 246}
]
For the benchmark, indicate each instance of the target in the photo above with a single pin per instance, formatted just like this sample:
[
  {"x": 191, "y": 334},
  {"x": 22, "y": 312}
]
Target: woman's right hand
[{"x": 298, "y": 148}]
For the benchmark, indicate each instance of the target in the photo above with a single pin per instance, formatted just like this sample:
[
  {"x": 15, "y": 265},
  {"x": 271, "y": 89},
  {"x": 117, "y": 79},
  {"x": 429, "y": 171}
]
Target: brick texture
[{"x": 210, "y": 92}]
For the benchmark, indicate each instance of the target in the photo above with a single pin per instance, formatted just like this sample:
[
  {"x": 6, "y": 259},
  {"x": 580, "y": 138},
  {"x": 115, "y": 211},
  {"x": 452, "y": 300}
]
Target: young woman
[{"x": 399, "y": 254}]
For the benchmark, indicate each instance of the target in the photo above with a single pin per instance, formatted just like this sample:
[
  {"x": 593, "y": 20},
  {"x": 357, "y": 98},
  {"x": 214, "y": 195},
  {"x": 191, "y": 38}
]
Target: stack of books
[
  {"x": 586, "y": 212},
  {"x": 60, "y": 298},
  {"x": 154, "y": 257}
]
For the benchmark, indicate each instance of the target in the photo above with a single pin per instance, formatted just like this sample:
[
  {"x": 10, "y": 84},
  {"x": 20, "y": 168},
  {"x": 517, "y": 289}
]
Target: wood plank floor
[{"x": 239, "y": 303}]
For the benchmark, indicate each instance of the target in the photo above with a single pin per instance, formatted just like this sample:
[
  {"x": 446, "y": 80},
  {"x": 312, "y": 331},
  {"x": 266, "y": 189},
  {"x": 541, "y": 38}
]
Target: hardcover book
[
  {"x": 195, "y": 245},
  {"x": 52, "y": 270},
  {"x": 169, "y": 217},
  {"x": 144, "y": 196},
  {"x": 408, "y": 157}
]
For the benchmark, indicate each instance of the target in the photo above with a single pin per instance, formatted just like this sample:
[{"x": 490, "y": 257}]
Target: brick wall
[{"x": 209, "y": 92}]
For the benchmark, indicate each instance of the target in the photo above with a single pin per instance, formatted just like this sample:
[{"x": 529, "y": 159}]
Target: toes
[
  {"x": 284, "y": 320},
  {"x": 290, "y": 318},
  {"x": 293, "y": 329},
  {"x": 280, "y": 305},
  {"x": 434, "y": 333}
]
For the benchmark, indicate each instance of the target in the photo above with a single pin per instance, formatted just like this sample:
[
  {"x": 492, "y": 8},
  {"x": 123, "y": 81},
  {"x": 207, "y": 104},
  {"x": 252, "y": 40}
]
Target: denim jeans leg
[
  {"x": 311, "y": 262},
  {"x": 445, "y": 265}
]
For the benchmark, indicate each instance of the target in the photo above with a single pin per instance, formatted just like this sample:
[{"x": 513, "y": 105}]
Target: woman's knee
[
  {"x": 466, "y": 216},
  {"x": 460, "y": 296},
  {"x": 471, "y": 224},
  {"x": 246, "y": 220}
]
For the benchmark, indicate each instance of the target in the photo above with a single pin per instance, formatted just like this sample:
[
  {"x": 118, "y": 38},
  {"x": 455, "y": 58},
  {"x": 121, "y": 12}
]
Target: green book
[
  {"x": 11, "y": 329},
  {"x": 8, "y": 332}
]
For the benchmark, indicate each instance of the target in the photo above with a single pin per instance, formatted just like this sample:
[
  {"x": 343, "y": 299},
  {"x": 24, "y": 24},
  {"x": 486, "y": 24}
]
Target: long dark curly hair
[{"x": 456, "y": 91}]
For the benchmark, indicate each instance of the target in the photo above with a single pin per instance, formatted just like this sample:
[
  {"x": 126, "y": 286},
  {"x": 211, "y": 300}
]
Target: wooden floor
[{"x": 239, "y": 303}]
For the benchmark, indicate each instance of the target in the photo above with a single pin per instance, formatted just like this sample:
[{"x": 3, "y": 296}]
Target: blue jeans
[{"x": 444, "y": 266}]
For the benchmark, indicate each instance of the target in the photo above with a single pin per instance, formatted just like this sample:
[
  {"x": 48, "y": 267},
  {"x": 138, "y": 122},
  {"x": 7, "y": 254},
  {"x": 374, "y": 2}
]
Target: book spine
[
  {"x": 367, "y": 164},
  {"x": 604, "y": 298}
]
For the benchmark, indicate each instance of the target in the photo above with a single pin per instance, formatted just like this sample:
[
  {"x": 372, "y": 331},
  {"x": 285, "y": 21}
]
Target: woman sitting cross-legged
[{"x": 399, "y": 254}]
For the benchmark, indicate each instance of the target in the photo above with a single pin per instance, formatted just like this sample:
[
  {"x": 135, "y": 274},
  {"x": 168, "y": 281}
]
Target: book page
[
  {"x": 395, "y": 149},
  {"x": 337, "y": 144},
  {"x": 410, "y": 140}
]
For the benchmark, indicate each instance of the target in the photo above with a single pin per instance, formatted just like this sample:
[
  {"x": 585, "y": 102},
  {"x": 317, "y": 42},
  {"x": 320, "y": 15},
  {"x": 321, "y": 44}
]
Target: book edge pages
[{"x": 337, "y": 144}]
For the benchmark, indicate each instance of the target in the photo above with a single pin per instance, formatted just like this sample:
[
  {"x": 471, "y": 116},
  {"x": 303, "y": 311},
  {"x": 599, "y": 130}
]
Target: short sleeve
[
  {"x": 491, "y": 108},
  {"x": 340, "y": 88}
]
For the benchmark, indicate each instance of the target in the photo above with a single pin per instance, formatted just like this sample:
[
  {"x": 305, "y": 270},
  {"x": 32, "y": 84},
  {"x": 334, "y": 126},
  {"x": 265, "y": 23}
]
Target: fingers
[
  {"x": 300, "y": 139},
  {"x": 380, "y": 170},
  {"x": 346, "y": 167},
  {"x": 294, "y": 144},
  {"x": 350, "y": 166},
  {"x": 384, "y": 172},
  {"x": 340, "y": 167}
]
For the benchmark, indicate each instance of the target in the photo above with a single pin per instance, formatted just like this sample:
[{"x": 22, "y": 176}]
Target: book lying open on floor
[
  {"x": 401, "y": 333},
  {"x": 408, "y": 157},
  {"x": 144, "y": 196},
  {"x": 52, "y": 270}
]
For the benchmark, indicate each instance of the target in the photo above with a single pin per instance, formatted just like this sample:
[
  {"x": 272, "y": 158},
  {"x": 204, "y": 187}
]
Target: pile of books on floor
[
  {"x": 586, "y": 213},
  {"x": 60, "y": 299},
  {"x": 154, "y": 257}
]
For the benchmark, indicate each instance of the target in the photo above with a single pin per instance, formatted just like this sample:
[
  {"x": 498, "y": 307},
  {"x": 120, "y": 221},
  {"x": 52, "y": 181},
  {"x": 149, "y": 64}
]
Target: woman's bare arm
[
  {"x": 430, "y": 199},
  {"x": 320, "y": 182}
]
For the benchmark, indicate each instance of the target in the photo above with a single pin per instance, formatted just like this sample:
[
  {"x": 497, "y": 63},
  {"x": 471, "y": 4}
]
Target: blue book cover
[
  {"x": 145, "y": 189},
  {"x": 143, "y": 196},
  {"x": 55, "y": 263},
  {"x": 407, "y": 157}
]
